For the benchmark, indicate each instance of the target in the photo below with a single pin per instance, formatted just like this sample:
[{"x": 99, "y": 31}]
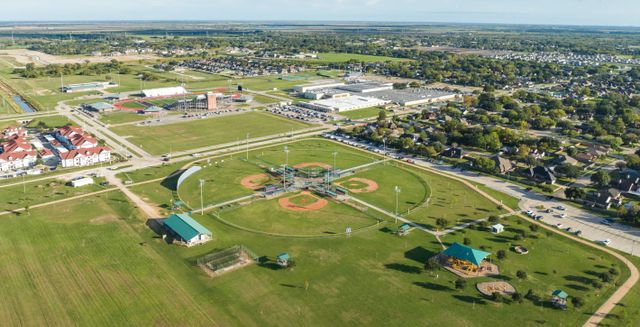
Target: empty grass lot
[
  {"x": 83, "y": 264},
  {"x": 362, "y": 113},
  {"x": 206, "y": 132}
]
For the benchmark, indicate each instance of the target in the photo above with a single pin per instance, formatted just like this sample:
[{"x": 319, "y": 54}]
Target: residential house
[
  {"x": 457, "y": 153},
  {"x": 503, "y": 165},
  {"x": 542, "y": 174},
  {"x": 604, "y": 198}
]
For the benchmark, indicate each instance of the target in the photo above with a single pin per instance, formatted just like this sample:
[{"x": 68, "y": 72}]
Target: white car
[
  {"x": 564, "y": 215},
  {"x": 558, "y": 225},
  {"x": 605, "y": 242},
  {"x": 561, "y": 208},
  {"x": 529, "y": 213}
]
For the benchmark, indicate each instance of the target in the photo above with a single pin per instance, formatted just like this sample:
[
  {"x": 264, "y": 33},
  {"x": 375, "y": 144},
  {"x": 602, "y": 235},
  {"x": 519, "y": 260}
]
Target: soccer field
[{"x": 195, "y": 134}]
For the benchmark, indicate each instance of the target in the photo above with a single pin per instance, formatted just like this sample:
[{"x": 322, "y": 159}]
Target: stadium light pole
[
  {"x": 247, "y": 146},
  {"x": 384, "y": 148},
  {"x": 333, "y": 170},
  {"x": 201, "y": 198},
  {"x": 286, "y": 163},
  {"x": 397, "y": 191}
]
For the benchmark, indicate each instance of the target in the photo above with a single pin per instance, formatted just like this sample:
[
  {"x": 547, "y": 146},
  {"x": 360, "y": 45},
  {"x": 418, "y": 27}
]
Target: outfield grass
[
  {"x": 83, "y": 264},
  {"x": 267, "y": 216},
  {"x": 414, "y": 189},
  {"x": 206, "y": 132},
  {"x": 362, "y": 113},
  {"x": 221, "y": 182}
]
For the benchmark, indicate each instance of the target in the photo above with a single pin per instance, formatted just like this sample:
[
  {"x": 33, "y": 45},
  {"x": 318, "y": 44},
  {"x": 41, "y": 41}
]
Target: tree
[
  {"x": 605, "y": 277},
  {"x": 432, "y": 264},
  {"x": 601, "y": 178},
  {"x": 574, "y": 193},
  {"x": 521, "y": 274},
  {"x": 382, "y": 114},
  {"x": 467, "y": 241},
  {"x": 485, "y": 164},
  {"x": 497, "y": 297},
  {"x": 442, "y": 223},
  {"x": 461, "y": 283},
  {"x": 501, "y": 254}
]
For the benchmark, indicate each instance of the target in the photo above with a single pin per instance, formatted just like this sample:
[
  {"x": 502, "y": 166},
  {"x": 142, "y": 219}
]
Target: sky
[{"x": 555, "y": 12}]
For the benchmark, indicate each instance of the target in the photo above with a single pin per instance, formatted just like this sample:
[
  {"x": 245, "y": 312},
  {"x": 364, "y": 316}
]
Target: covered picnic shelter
[{"x": 464, "y": 258}]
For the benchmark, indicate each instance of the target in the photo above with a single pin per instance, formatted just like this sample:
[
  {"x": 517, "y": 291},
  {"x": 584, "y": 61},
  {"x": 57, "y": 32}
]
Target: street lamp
[
  {"x": 201, "y": 198},
  {"x": 286, "y": 163},
  {"x": 384, "y": 148},
  {"x": 397, "y": 191}
]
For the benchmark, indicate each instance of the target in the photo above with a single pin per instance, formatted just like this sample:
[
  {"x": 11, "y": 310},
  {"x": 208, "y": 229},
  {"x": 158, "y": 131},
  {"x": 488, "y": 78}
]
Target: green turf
[
  {"x": 206, "y": 132},
  {"x": 267, "y": 216},
  {"x": 132, "y": 105},
  {"x": 414, "y": 189},
  {"x": 221, "y": 182},
  {"x": 82, "y": 264},
  {"x": 32, "y": 193},
  {"x": 50, "y": 121},
  {"x": 362, "y": 113}
]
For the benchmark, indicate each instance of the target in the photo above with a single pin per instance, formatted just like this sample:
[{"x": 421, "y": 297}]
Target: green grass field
[
  {"x": 206, "y": 132},
  {"x": 362, "y": 113},
  {"x": 50, "y": 121},
  {"x": 267, "y": 216},
  {"x": 82, "y": 264},
  {"x": 344, "y": 57}
]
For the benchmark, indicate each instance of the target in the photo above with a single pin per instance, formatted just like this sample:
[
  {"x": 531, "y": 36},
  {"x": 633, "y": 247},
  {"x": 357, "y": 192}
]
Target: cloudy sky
[{"x": 569, "y": 12}]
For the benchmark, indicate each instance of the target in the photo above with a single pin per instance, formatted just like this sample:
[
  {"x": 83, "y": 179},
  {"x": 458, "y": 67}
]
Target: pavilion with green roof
[
  {"x": 464, "y": 258},
  {"x": 186, "y": 229}
]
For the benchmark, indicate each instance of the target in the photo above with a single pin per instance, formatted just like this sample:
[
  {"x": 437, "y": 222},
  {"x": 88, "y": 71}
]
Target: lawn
[
  {"x": 267, "y": 216},
  {"x": 121, "y": 117},
  {"x": 206, "y": 132},
  {"x": 50, "y": 121},
  {"x": 31, "y": 193},
  {"x": 376, "y": 278},
  {"x": 362, "y": 113},
  {"x": 83, "y": 264},
  {"x": 553, "y": 263}
]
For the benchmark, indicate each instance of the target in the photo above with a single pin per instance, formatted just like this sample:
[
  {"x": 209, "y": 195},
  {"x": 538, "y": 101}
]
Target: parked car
[
  {"x": 577, "y": 233},
  {"x": 605, "y": 242},
  {"x": 562, "y": 208},
  {"x": 558, "y": 225},
  {"x": 606, "y": 222}
]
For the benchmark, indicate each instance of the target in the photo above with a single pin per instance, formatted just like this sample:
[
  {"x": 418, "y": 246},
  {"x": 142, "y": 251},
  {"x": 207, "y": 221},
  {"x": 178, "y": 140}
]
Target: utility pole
[
  {"x": 61, "y": 82},
  {"x": 201, "y": 198}
]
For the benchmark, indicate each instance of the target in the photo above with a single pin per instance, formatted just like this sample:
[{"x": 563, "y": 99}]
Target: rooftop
[
  {"x": 466, "y": 253},
  {"x": 185, "y": 226}
]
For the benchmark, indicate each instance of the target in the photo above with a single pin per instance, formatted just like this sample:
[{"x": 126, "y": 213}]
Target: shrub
[
  {"x": 442, "y": 223},
  {"x": 517, "y": 237},
  {"x": 501, "y": 254},
  {"x": 521, "y": 274},
  {"x": 461, "y": 284},
  {"x": 613, "y": 271},
  {"x": 467, "y": 241},
  {"x": 532, "y": 296},
  {"x": 494, "y": 219},
  {"x": 534, "y": 228},
  {"x": 605, "y": 277},
  {"x": 516, "y": 297},
  {"x": 596, "y": 284},
  {"x": 497, "y": 297},
  {"x": 577, "y": 302}
]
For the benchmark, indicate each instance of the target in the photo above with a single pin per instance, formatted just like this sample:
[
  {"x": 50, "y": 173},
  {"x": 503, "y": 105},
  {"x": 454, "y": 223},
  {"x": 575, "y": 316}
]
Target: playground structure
[{"x": 467, "y": 262}]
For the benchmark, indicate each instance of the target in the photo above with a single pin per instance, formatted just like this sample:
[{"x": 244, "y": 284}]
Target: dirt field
[
  {"x": 304, "y": 200},
  {"x": 24, "y": 56}
]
